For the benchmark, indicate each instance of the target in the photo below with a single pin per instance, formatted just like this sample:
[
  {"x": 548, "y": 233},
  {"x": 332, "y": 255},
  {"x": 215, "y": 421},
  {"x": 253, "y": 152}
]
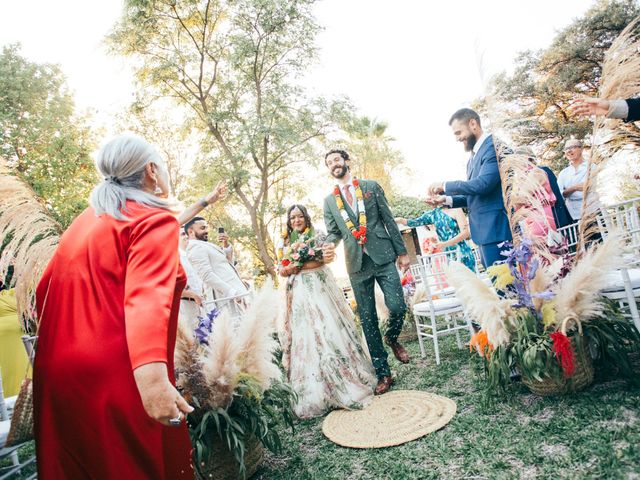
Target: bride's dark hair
[{"x": 305, "y": 214}]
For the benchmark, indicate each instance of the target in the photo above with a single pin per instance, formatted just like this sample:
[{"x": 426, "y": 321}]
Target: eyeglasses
[{"x": 568, "y": 149}]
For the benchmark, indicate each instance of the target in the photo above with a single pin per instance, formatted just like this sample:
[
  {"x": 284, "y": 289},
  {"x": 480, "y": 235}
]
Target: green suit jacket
[{"x": 384, "y": 241}]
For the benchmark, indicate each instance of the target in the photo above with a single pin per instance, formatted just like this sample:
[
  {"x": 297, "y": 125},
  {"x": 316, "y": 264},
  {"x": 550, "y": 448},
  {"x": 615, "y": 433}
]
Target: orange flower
[{"x": 481, "y": 343}]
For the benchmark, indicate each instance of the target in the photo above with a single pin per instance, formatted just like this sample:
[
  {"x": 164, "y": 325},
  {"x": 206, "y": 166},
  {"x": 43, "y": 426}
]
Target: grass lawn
[{"x": 593, "y": 434}]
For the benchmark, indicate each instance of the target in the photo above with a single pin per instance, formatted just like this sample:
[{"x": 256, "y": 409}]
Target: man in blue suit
[{"x": 481, "y": 193}]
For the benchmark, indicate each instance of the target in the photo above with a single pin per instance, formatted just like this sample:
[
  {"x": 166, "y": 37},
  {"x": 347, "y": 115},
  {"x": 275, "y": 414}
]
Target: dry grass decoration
[
  {"x": 29, "y": 239},
  {"x": 232, "y": 378},
  {"x": 620, "y": 79}
]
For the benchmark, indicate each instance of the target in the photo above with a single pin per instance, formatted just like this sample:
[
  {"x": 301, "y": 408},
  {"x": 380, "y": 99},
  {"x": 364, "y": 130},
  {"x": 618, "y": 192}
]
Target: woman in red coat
[{"x": 104, "y": 397}]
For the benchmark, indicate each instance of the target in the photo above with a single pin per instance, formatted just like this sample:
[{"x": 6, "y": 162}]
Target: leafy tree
[
  {"x": 371, "y": 150},
  {"x": 407, "y": 207},
  {"x": 43, "y": 141},
  {"x": 536, "y": 96},
  {"x": 233, "y": 65}
]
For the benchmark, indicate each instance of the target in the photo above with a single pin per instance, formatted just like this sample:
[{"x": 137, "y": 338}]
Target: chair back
[
  {"x": 429, "y": 272},
  {"x": 570, "y": 234},
  {"x": 623, "y": 217}
]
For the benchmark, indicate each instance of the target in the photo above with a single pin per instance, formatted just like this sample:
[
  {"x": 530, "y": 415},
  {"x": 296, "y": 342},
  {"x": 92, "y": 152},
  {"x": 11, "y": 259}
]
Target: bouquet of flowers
[
  {"x": 549, "y": 318},
  {"x": 302, "y": 247}
]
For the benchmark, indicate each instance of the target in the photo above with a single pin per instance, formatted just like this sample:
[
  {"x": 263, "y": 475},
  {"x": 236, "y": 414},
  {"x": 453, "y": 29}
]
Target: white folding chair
[
  {"x": 441, "y": 313},
  {"x": 570, "y": 234},
  {"x": 624, "y": 284}
]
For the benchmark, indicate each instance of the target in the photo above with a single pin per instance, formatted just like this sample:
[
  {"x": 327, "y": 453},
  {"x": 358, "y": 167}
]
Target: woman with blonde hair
[{"x": 105, "y": 404}]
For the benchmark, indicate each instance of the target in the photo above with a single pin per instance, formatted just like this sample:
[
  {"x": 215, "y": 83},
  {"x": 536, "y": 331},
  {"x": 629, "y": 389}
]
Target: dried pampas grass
[
  {"x": 33, "y": 237},
  {"x": 577, "y": 295},
  {"x": 620, "y": 80},
  {"x": 481, "y": 302},
  {"x": 255, "y": 339}
]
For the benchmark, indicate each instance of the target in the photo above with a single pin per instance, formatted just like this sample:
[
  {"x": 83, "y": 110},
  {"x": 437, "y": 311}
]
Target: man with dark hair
[
  {"x": 212, "y": 263},
  {"x": 481, "y": 193},
  {"x": 358, "y": 213}
]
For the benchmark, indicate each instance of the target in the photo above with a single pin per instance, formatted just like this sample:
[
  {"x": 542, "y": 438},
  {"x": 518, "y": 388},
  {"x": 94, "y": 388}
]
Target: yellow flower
[
  {"x": 501, "y": 275},
  {"x": 548, "y": 313}
]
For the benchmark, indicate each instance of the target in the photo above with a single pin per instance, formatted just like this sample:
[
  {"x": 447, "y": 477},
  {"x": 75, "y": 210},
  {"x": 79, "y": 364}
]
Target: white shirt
[
  {"x": 214, "y": 269},
  {"x": 569, "y": 177},
  {"x": 194, "y": 282}
]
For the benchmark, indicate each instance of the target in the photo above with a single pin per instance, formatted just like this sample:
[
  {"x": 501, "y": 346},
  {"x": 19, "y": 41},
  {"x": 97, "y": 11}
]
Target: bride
[{"x": 323, "y": 355}]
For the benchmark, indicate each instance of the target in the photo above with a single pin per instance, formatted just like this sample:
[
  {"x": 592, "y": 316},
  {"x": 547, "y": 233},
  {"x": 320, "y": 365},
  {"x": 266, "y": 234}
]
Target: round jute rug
[{"x": 391, "y": 419}]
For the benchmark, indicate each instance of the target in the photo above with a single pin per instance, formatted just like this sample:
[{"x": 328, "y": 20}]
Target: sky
[{"x": 410, "y": 63}]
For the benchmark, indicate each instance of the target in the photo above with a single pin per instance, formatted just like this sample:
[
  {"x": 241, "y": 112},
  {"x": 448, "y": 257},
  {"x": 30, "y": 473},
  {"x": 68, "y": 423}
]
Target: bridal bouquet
[
  {"x": 550, "y": 320},
  {"x": 303, "y": 247}
]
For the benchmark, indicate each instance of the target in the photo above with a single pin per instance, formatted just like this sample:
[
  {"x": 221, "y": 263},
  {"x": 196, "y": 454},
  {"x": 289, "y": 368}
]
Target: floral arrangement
[
  {"x": 230, "y": 375},
  {"x": 360, "y": 233},
  {"x": 548, "y": 316},
  {"x": 302, "y": 247}
]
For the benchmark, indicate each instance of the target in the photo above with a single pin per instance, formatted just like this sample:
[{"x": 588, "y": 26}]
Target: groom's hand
[
  {"x": 403, "y": 262},
  {"x": 328, "y": 252}
]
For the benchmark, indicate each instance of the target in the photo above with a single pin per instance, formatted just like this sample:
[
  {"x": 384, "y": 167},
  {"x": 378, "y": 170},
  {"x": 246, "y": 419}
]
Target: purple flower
[{"x": 205, "y": 326}]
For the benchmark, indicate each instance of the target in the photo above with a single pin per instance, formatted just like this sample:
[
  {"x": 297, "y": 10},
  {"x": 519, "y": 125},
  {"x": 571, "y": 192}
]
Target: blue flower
[{"x": 205, "y": 326}]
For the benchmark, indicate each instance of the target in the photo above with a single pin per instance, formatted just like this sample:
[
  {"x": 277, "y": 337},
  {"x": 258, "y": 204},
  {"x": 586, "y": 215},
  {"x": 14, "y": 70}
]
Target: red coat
[{"x": 112, "y": 305}]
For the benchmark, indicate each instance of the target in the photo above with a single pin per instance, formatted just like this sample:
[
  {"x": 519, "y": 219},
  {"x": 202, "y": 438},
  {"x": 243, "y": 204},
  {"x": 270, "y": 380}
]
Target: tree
[
  {"x": 233, "y": 65},
  {"x": 532, "y": 103},
  {"x": 371, "y": 150},
  {"x": 41, "y": 138}
]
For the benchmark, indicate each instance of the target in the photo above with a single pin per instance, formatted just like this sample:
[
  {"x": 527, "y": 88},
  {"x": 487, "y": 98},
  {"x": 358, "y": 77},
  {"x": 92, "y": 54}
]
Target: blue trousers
[{"x": 491, "y": 253}]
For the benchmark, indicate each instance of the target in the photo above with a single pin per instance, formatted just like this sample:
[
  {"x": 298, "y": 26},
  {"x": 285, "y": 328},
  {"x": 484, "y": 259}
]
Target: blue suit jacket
[
  {"x": 634, "y": 109},
  {"x": 482, "y": 195}
]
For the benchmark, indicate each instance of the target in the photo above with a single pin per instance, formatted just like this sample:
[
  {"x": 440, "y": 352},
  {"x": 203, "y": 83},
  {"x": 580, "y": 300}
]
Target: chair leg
[
  {"x": 458, "y": 342},
  {"x": 434, "y": 331},
  {"x": 419, "y": 331}
]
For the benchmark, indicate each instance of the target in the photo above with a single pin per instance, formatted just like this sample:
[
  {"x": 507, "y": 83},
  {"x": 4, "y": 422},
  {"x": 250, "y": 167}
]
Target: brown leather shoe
[
  {"x": 384, "y": 384},
  {"x": 399, "y": 351}
]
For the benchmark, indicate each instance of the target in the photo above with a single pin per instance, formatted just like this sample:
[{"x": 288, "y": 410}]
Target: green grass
[{"x": 592, "y": 434}]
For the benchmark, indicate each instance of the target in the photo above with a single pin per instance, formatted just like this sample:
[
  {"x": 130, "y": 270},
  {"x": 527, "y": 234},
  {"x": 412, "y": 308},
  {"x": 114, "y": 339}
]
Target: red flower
[
  {"x": 563, "y": 350},
  {"x": 367, "y": 195},
  {"x": 336, "y": 191},
  {"x": 285, "y": 263},
  {"x": 356, "y": 182}
]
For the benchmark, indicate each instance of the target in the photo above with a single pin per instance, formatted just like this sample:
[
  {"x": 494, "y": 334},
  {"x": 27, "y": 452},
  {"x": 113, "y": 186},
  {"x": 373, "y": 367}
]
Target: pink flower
[
  {"x": 312, "y": 252},
  {"x": 296, "y": 256}
]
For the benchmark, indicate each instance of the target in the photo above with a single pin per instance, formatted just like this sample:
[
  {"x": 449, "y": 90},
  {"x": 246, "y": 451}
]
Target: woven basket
[
  {"x": 582, "y": 376},
  {"x": 223, "y": 464}
]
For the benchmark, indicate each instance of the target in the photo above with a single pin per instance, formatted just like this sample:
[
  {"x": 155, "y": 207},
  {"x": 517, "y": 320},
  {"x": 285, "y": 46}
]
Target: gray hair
[{"x": 122, "y": 163}]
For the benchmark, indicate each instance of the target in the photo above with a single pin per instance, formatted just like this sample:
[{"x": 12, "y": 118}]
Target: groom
[{"x": 357, "y": 212}]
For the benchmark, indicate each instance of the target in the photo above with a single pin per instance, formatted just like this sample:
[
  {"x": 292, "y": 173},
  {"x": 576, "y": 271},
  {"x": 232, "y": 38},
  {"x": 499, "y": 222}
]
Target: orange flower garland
[{"x": 360, "y": 233}]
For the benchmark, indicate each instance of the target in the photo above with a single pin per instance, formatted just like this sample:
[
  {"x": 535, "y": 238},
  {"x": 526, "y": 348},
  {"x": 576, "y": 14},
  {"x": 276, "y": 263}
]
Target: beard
[
  {"x": 470, "y": 142},
  {"x": 339, "y": 172},
  {"x": 204, "y": 236}
]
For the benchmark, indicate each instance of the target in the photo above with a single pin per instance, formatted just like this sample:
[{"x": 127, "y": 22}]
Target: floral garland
[{"x": 359, "y": 233}]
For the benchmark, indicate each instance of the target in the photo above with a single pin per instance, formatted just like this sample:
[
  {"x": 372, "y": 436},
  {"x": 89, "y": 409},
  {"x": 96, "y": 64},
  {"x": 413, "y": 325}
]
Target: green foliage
[
  {"x": 44, "y": 142},
  {"x": 533, "y": 101},
  {"x": 234, "y": 66},
  {"x": 407, "y": 207},
  {"x": 371, "y": 151},
  {"x": 251, "y": 413}
]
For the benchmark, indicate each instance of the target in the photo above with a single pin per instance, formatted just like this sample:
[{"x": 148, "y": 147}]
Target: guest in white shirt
[
  {"x": 571, "y": 179},
  {"x": 193, "y": 294},
  {"x": 213, "y": 265}
]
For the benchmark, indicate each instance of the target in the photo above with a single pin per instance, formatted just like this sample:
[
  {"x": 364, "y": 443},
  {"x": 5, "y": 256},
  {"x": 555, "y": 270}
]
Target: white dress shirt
[
  {"x": 194, "y": 282},
  {"x": 569, "y": 177}
]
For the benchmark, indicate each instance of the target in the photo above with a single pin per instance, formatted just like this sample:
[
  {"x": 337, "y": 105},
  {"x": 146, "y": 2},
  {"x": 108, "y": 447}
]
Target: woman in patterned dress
[
  {"x": 323, "y": 354},
  {"x": 452, "y": 230}
]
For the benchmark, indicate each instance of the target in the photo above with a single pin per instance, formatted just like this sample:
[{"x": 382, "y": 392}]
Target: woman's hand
[
  {"x": 217, "y": 193},
  {"x": 400, "y": 220},
  {"x": 160, "y": 399}
]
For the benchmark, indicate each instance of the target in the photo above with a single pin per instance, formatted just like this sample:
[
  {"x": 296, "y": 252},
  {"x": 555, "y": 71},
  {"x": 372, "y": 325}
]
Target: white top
[
  {"x": 569, "y": 177},
  {"x": 214, "y": 269},
  {"x": 194, "y": 282}
]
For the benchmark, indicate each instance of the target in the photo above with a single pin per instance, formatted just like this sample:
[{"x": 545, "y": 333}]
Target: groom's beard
[
  {"x": 470, "y": 142},
  {"x": 340, "y": 172}
]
